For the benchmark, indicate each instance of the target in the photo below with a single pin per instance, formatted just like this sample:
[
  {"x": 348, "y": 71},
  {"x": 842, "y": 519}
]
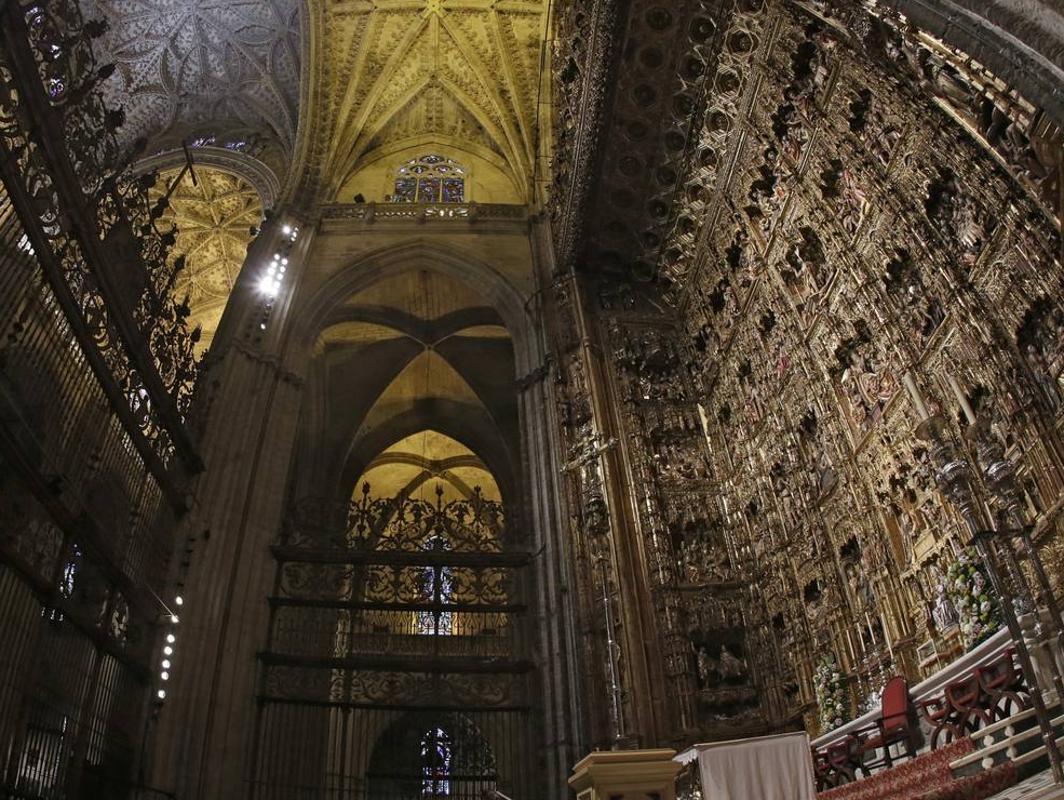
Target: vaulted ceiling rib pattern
[
  {"x": 214, "y": 218},
  {"x": 419, "y": 464},
  {"x": 464, "y": 71},
  {"x": 422, "y": 349},
  {"x": 203, "y": 68}
]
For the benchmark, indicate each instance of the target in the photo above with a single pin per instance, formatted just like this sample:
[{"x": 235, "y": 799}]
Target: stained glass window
[
  {"x": 437, "y": 586},
  {"x": 436, "y": 764},
  {"x": 66, "y": 584},
  {"x": 430, "y": 179}
]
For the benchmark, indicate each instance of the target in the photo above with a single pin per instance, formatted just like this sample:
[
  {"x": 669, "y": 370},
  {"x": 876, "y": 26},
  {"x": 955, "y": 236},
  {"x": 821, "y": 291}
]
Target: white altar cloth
[{"x": 763, "y": 768}]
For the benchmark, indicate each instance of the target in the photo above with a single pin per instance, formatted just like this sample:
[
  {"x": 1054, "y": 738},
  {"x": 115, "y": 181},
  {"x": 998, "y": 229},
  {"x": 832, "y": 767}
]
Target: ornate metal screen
[
  {"x": 96, "y": 376},
  {"x": 396, "y": 664}
]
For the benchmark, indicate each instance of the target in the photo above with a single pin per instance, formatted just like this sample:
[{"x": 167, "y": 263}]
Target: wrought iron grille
[
  {"x": 96, "y": 375},
  {"x": 89, "y": 224},
  {"x": 398, "y": 637}
]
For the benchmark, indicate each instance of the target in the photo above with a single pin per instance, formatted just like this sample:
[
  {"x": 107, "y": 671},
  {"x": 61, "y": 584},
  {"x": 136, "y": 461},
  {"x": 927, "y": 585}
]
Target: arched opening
[
  {"x": 400, "y": 640},
  {"x": 431, "y": 756}
]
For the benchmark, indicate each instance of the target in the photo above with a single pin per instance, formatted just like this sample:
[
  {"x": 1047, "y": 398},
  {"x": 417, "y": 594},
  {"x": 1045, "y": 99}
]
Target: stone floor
[{"x": 1037, "y": 787}]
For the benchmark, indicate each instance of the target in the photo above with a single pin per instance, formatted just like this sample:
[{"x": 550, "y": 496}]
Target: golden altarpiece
[{"x": 863, "y": 206}]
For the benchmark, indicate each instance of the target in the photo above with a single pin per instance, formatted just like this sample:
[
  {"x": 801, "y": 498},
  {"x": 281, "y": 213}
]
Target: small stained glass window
[
  {"x": 436, "y": 764},
  {"x": 430, "y": 179},
  {"x": 437, "y": 586}
]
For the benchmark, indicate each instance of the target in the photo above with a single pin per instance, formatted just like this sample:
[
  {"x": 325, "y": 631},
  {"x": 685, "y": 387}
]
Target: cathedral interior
[{"x": 405, "y": 399}]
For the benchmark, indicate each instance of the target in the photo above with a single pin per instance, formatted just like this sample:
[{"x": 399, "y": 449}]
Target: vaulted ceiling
[
  {"x": 214, "y": 212},
  {"x": 219, "y": 72},
  {"x": 416, "y": 352},
  {"x": 424, "y": 463},
  {"x": 463, "y": 72}
]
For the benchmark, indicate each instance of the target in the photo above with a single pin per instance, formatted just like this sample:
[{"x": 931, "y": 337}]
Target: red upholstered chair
[
  {"x": 966, "y": 697},
  {"x": 823, "y": 773},
  {"x": 844, "y": 757},
  {"x": 896, "y": 725},
  {"x": 941, "y": 717},
  {"x": 1001, "y": 681}
]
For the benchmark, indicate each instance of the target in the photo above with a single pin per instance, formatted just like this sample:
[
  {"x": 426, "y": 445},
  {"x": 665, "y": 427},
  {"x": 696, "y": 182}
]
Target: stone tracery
[{"x": 217, "y": 72}]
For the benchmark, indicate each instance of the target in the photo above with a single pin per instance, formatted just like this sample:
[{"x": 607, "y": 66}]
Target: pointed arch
[{"x": 313, "y": 313}]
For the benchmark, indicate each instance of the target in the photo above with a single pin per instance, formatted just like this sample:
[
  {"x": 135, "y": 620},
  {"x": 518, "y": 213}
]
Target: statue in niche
[
  {"x": 1043, "y": 376},
  {"x": 884, "y": 142},
  {"x": 853, "y": 582},
  {"x": 869, "y": 383},
  {"x": 943, "y": 614},
  {"x": 707, "y": 666},
  {"x": 855, "y": 400},
  {"x": 730, "y": 666},
  {"x": 969, "y": 230},
  {"x": 855, "y": 202},
  {"x": 911, "y": 521},
  {"x": 1053, "y": 342},
  {"x": 888, "y": 387},
  {"x": 948, "y": 83},
  {"x": 1040, "y": 336},
  {"x": 783, "y": 363},
  {"x": 827, "y": 478}
]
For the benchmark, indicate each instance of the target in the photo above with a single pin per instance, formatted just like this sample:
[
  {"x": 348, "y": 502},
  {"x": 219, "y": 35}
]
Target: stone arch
[
  {"x": 255, "y": 172},
  {"x": 417, "y": 253},
  {"x": 449, "y": 419}
]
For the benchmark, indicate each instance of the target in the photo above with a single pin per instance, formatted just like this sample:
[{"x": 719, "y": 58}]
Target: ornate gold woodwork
[{"x": 843, "y": 222}]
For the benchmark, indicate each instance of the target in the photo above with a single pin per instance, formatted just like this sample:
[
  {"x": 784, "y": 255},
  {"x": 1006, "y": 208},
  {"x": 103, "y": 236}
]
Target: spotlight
[
  {"x": 161, "y": 694},
  {"x": 171, "y": 638},
  {"x": 166, "y": 663},
  {"x": 179, "y": 600},
  {"x": 168, "y": 650},
  {"x": 268, "y": 285},
  {"x": 174, "y": 619},
  {"x": 164, "y": 675}
]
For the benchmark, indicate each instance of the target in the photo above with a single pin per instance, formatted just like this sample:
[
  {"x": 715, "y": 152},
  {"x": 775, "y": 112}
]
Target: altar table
[{"x": 765, "y": 767}]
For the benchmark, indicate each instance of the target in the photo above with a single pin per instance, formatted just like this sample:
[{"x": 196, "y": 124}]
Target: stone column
[
  {"x": 626, "y": 775},
  {"x": 249, "y": 406},
  {"x": 615, "y": 604},
  {"x": 546, "y": 514}
]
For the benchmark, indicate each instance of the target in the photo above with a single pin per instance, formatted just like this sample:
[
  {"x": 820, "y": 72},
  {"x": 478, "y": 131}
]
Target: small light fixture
[
  {"x": 171, "y": 638},
  {"x": 164, "y": 675},
  {"x": 161, "y": 694},
  {"x": 174, "y": 619},
  {"x": 168, "y": 650},
  {"x": 268, "y": 285},
  {"x": 166, "y": 663},
  {"x": 179, "y": 600}
]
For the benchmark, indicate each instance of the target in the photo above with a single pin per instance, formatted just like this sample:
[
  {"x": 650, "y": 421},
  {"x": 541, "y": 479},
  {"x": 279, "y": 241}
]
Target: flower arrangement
[
  {"x": 970, "y": 592},
  {"x": 831, "y": 695}
]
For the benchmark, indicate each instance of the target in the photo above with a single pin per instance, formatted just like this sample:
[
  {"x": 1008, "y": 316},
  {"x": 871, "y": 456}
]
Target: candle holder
[
  {"x": 953, "y": 474},
  {"x": 999, "y": 474}
]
